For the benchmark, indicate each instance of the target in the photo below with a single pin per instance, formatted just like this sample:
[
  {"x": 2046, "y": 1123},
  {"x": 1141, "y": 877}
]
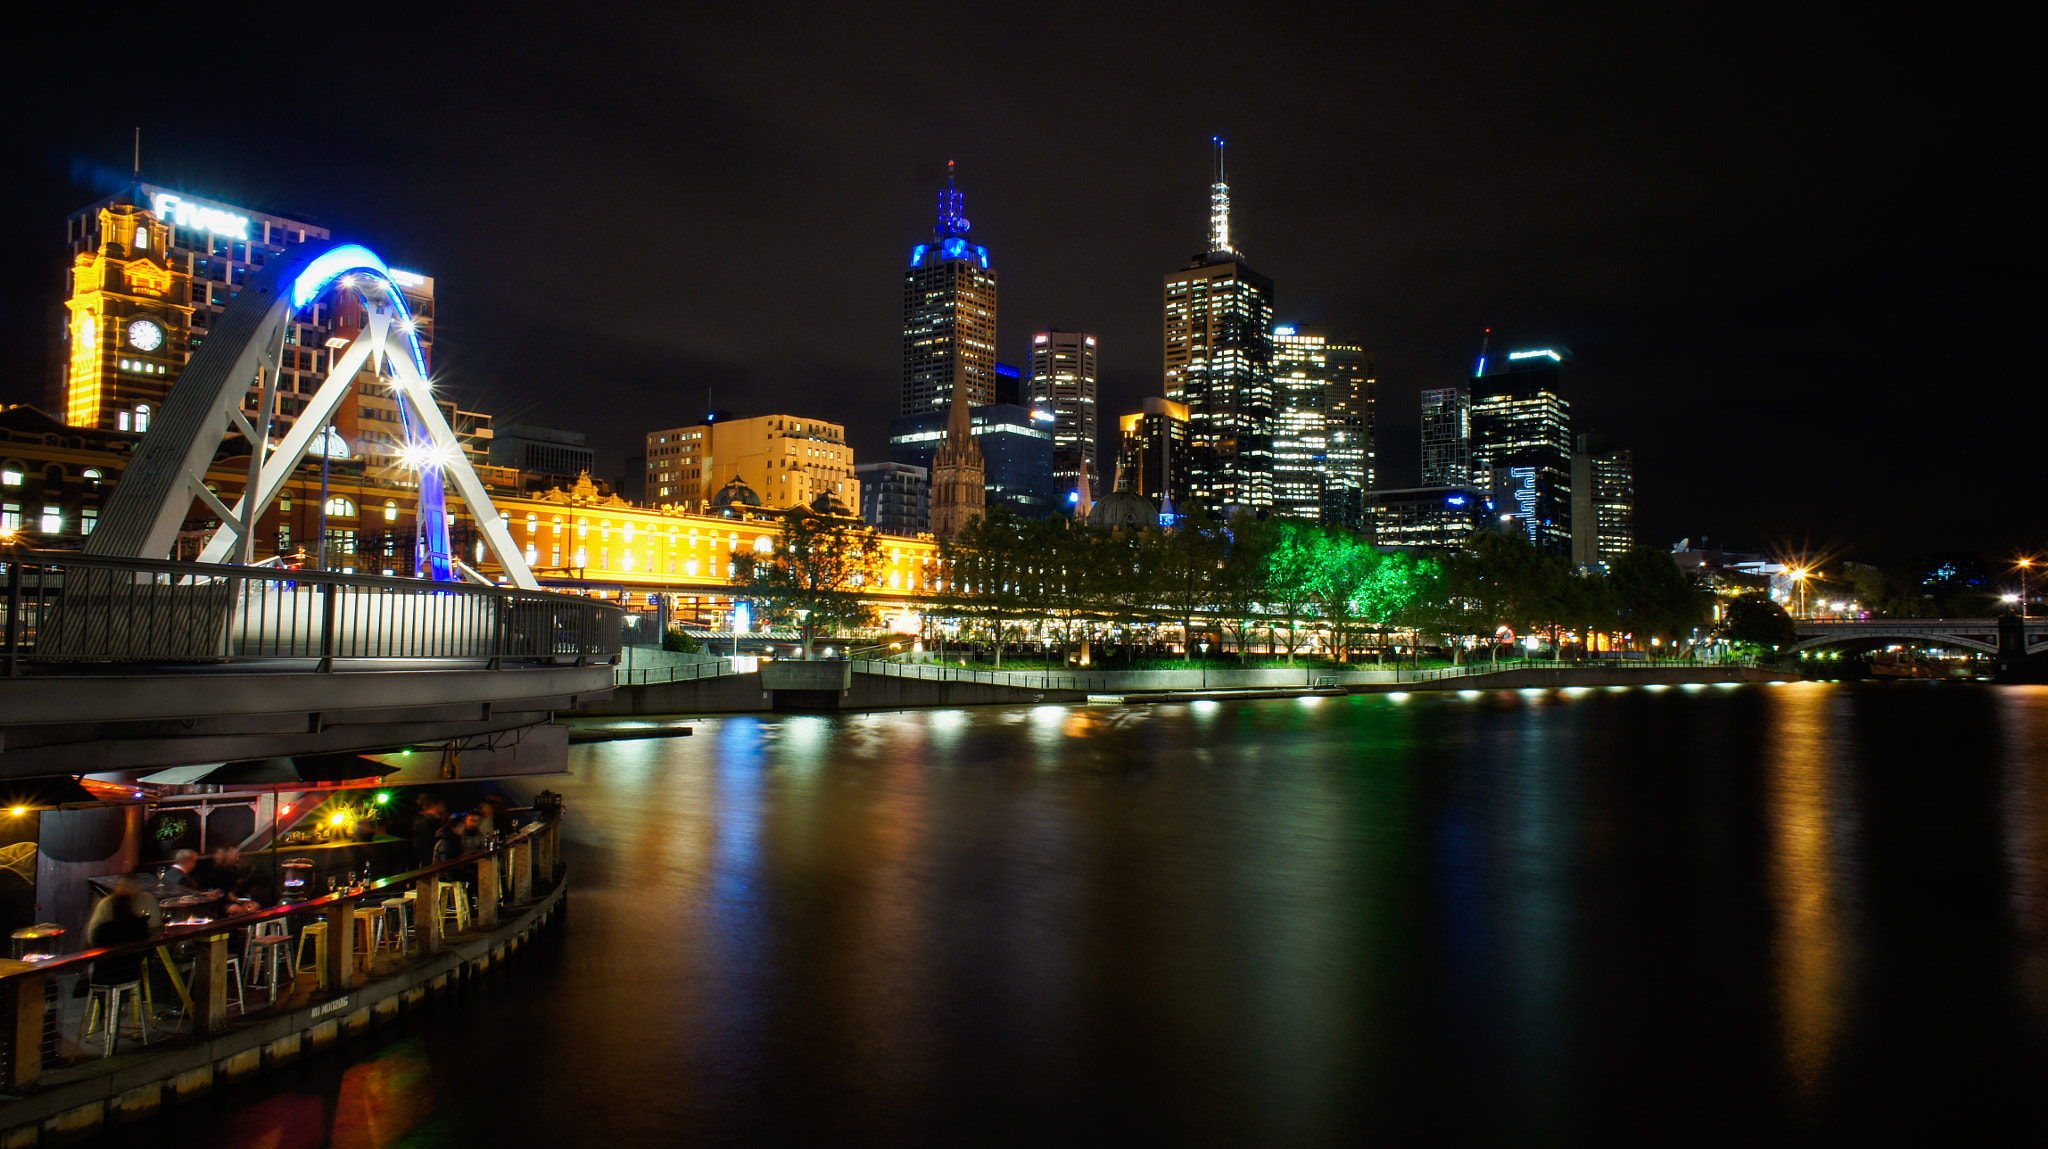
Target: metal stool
[
  {"x": 316, "y": 933},
  {"x": 369, "y": 935},
  {"x": 454, "y": 904},
  {"x": 402, "y": 907},
  {"x": 275, "y": 928},
  {"x": 272, "y": 952},
  {"x": 235, "y": 979},
  {"x": 108, "y": 997}
]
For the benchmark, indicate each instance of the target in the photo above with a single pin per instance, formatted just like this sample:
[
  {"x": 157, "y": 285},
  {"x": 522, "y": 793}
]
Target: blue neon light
[
  {"x": 1456, "y": 500},
  {"x": 983, "y": 253},
  {"x": 331, "y": 265},
  {"x": 1482, "y": 366},
  {"x": 917, "y": 255},
  {"x": 955, "y": 248}
]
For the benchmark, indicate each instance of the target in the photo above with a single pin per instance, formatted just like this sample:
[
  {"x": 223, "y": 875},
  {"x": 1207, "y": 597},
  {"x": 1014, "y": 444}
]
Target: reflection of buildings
[
  {"x": 1603, "y": 501},
  {"x": 1440, "y": 518},
  {"x": 949, "y": 315},
  {"x": 791, "y": 461},
  {"x": 895, "y": 498},
  {"x": 1219, "y": 362},
  {"x": 1063, "y": 380},
  {"x": 1016, "y": 450},
  {"x": 1521, "y": 445},
  {"x": 1323, "y": 427},
  {"x": 1152, "y": 455}
]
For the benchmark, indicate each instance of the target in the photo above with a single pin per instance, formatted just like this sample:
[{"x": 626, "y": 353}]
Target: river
[{"x": 1747, "y": 914}]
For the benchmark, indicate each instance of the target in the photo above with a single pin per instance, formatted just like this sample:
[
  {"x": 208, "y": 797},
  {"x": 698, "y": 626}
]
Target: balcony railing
[{"x": 63, "y": 607}]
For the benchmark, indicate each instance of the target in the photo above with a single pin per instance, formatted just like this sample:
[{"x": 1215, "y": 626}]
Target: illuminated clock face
[{"x": 144, "y": 335}]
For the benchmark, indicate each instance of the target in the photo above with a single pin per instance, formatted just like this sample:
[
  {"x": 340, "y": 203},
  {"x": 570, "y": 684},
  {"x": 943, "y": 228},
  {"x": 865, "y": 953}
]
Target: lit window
[
  {"x": 141, "y": 239},
  {"x": 88, "y": 518},
  {"x": 10, "y": 517},
  {"x": 142, "y": 417},
  {"x": 53, "y": 519},
  {"x": 390, "y": 511},
  {"x": 10, "y": 475},
  {"x": 341, "y": 507}
]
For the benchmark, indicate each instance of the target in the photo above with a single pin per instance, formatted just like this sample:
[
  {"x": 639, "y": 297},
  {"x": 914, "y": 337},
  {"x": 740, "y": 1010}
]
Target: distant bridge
[{"x": 1996, "y": 636}]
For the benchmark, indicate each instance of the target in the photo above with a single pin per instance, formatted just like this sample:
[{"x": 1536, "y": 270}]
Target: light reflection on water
[{"x": 1480, "y": 916}]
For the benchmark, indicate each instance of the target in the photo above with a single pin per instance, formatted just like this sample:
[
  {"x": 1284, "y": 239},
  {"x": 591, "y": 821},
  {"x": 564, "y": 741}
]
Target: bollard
[
  {"x": 426, "y": 913},
  {"x": 210, "y": 988},
  {"x": 25, "y": 1068}
]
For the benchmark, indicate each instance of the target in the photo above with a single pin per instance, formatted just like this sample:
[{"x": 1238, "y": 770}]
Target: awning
[
  {"x": 55, "y": 790},
  {"x": 273, "y": 771}
]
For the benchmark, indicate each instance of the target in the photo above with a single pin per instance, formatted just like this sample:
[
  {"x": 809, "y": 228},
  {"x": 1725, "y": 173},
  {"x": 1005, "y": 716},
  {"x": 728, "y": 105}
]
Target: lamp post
[{"x": 2024, "y": 564}]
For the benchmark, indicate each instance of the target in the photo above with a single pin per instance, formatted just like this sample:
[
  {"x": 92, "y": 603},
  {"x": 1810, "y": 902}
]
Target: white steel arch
[{"x": 168, "y": 470}]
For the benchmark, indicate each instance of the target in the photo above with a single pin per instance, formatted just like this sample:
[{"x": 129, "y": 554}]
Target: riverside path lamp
[{"x": 2024, "y": 565}]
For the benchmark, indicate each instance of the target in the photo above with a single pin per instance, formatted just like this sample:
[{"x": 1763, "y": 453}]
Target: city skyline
[{"x": 1410, "y": 245}]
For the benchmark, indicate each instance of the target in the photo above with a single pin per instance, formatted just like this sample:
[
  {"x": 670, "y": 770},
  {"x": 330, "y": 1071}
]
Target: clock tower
[{"x": 129, "y": 329}]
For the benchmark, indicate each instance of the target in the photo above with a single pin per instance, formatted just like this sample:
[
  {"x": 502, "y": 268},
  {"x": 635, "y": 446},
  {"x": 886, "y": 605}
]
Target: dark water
[{"x": 1801, "y": 913}]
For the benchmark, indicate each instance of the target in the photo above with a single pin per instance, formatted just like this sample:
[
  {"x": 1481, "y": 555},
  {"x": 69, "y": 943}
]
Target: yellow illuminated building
[
  {"x": 789, "y": 461},
  {"x": 129, "y": 323}
]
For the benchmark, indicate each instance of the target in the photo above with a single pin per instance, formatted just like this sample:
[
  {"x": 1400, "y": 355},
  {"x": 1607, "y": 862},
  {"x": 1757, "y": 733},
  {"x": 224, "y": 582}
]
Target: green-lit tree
[
  {"x": 815, "y": 574},
  {"x": 1289, "y": 561}
]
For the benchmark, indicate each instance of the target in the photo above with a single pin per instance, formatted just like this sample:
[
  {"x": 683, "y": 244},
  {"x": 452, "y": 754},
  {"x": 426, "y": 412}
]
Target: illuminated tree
[{"x": 815, "y": 573}]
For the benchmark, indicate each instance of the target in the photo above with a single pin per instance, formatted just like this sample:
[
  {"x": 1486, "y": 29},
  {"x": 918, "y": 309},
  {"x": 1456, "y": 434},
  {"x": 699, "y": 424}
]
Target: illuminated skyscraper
[
  {"x": 1323, "y": 430},
  {"x": 1219, "y": 362},
  {"x": 1062, "y": 380},
  {"x": 1152, "y": 457},
  {"x": 1522, "y": 445},
  {"x": 949, "y": 314},
  {"x": 1603, "y": 500},
  {"x": 1446, "y": 437}
]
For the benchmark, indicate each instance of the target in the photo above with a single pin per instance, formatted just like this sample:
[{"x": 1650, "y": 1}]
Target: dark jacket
[
  {"x": 116, "y": 920},
  {"x": 426, "y": 830}
]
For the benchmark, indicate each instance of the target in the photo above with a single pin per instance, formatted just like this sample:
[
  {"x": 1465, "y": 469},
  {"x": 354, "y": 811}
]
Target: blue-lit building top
[
  {"x": 1016, "y": 448},
  {"x": 949, "y": 314}
]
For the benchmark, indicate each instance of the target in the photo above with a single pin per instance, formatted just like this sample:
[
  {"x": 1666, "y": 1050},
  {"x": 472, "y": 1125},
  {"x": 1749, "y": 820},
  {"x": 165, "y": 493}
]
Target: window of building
[
  {"x": 141, "y": 417},
  {"x": 141, "y": 238},
  {"x": 88, "y": 518},
  {"x": 10, "y": 517},
  {"x": 390, "y": 511},
  {"x": 341, "y": 508},
  {"x": 284, "y": 501},
  {"x": 53, "y": 519},
  {"x": 11, "y": 474}
]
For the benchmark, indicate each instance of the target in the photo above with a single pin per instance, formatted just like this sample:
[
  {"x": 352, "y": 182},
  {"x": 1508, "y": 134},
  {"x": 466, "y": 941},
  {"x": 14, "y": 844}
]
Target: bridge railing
[
  {"x": 1361, "y": 674},
  {"x": 63, "y": 607},
  {"x": 681, "y": 672},
  {"x": 513, "y": 872}
]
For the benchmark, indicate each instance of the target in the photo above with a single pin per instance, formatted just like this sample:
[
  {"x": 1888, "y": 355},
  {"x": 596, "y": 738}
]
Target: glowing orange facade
[{"x": 130, "y": 324}]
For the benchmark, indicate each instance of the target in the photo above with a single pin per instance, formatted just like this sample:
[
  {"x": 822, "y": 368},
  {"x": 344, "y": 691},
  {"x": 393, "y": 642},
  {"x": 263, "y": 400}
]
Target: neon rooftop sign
[
  {"x": 1533, "y": 354},
  {"x": 183, "y": 212}
]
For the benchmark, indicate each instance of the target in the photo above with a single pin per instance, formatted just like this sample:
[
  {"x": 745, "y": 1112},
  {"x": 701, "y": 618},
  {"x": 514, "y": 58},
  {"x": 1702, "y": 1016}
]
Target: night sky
[{"x": 1786, "y": 252}]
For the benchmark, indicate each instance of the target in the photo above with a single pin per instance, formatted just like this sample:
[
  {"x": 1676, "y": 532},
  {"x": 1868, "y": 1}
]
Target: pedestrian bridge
[
  {"x": 1997, "y": 636},
  {"x": 117, "y": 664}
]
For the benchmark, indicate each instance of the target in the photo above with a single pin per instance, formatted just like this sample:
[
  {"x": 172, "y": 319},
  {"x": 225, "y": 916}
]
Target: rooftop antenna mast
[
  {"x": 1219, "y": 205},
  {"x": 1483, "y": 339},
  {"x": 138, "y": 152}
]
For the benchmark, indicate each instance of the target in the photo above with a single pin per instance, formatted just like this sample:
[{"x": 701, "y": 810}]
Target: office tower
[
  {"x": 1603, "y": 500},
  {"x": 959, "y": 473},
  {"x": 1323, "y": 427},
  {"x": 1446, "y": 437},
  {"x": 895, "y": 498},
  {"x": 542, "y": 450},
  {"x": 1521, "y": 445},
  {"x": 1016, "y": 445},
  {"x": 1063, "y": 380},
  {"x": 1152, "y": 455},
  {"x": 949, "y": 314},
  {"x": 1427, "y": 518},
  {"x": 1219, "y": 362},
  {"x": 788, "y": 460}
]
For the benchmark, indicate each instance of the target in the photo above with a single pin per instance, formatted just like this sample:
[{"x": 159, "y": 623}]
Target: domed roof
[
  {"x": 733, "y": 495},
  {"x": 1124, "y": 510},
  {"x": 828, "y": 503}
]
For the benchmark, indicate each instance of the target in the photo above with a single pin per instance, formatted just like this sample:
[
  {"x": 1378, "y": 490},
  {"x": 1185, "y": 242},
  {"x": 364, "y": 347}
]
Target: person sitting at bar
[
  {"x": 464, "y": 835},
  {"x": 224, "y": 871},
  {"x": 181, "y": 875},
  {"x": 426, "y": 830},
  {"x": 122, "y": 916}
]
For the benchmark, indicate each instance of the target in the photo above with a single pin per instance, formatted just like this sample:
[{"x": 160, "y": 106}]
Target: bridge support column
[
  {"x": 340, "y": 917},
  {"x": 522, "y": 871}
]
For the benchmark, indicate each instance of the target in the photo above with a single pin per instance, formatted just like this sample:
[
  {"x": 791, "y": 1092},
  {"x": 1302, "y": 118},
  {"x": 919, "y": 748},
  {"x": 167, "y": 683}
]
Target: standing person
[
  {"x": 497, "y": 817},
  {"x": 426, "y": 830}
]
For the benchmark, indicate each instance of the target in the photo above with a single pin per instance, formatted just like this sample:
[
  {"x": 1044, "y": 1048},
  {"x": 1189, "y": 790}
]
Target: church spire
[{"x": 959, "y": 475}]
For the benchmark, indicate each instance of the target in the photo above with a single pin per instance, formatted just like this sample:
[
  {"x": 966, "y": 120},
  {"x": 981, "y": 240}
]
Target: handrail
[{"x": 170, "y": 935}]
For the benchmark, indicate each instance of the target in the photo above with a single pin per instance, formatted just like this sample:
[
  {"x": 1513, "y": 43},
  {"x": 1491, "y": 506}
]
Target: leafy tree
[
  {"x": 1756, "y": 620},
  {"x": 1341, "y": 568},
  {"x": 995, "y": 570},
  {"x": 1289, "y": 562},
  {"x": 1185, "y": 562},
  {"x": 679, "y": 640},
  {"x": 815, "y": 574},
  {"x": 1653, "y": 598}
]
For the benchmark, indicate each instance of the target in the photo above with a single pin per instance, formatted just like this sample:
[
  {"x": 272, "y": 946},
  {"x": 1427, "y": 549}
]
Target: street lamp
[
  {"x": 1798, "y": 575},
  {"x": 2024, "y": 564}
]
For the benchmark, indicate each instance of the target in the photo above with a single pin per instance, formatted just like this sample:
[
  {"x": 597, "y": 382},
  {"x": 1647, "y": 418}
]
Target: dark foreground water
[{"x": 1803, "y": 913}]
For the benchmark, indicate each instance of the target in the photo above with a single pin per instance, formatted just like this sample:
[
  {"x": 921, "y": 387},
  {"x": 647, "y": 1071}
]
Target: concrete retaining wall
[{"x": 72, "y": 1111}]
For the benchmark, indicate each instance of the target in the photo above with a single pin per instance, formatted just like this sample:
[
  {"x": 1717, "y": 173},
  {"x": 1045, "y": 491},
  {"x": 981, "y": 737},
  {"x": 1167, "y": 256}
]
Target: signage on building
[{"x": 183, "y": 212}]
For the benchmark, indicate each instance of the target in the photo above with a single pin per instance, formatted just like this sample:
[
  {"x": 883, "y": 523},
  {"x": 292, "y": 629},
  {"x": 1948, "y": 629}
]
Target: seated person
[
  {"x": 181, "y": 875},
  {"x": 122, "y": 916},
  {"x": 225, "y": 872}
]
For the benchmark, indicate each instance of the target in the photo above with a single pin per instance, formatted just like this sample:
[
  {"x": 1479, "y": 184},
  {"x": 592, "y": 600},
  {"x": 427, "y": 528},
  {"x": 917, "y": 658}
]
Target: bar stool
[
  {"x": 316, "y": 934},
  {"x": 108, "y": 998},
  {"x": 271, "y": 929},
  {"x": 400, "y": 938},
  {"x": 272, "y": 952},
  {"x": 235, "y": 979},
  {"x": 370, "y": 935},
  {"x": 454, "y": 904}
]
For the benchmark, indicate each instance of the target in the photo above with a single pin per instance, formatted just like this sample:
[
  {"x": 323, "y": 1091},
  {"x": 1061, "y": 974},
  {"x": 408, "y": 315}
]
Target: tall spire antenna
[
  {"x": 1219, "y": 205},
  {"x": 138, "y": 152},
  {"x": 1483, "y": 340}
]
